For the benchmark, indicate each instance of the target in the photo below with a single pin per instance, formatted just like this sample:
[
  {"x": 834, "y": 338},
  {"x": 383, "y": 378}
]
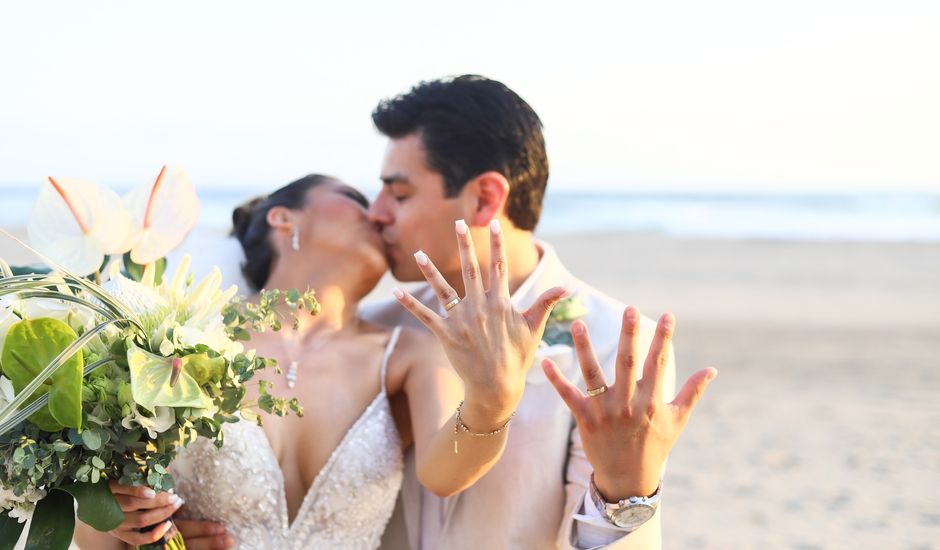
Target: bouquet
[{"x": 109, "y": 367}]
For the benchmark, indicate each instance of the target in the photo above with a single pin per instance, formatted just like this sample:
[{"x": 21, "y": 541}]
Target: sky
[{"x": 751, "y": 95}]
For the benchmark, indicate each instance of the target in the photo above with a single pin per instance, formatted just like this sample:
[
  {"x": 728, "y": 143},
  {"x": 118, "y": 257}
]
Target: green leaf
[
  {"x": 136, "y": 271},
  {"x": 10, "y": 531},
  {"x": 91, "y": 439},
  {"x": 96, "y": 504},
  {"x": 97, "y": 462},
  {"x": 31, "y": 344},
  {"x": 53, "y": 523},
  {"x": 150, "y": 382}
]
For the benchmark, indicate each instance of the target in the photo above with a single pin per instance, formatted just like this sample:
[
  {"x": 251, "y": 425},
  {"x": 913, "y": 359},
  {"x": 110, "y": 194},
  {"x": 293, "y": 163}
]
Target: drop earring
[{"x": 295, "y": 240}]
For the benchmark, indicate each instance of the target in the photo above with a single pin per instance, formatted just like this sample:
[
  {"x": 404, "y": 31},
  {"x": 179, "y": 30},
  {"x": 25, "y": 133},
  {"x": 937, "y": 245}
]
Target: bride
[{"x": 331, "y": 477}]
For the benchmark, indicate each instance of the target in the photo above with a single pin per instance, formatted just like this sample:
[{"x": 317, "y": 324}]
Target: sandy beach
[{"x": 823, "y": 427}]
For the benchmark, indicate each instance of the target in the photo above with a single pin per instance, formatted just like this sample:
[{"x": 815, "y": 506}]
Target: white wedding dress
[{"x": 347, "y": 505}]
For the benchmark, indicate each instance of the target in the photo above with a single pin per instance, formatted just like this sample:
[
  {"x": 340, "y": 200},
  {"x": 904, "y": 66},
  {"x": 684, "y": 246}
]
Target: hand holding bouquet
[{"x": 106, "y": 379}]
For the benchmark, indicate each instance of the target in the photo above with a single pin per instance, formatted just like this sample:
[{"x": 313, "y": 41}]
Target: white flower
[
  {"x": 20, "y": 507},
  {"x": 192, "y": 314},
  {"x": 60, "y": 310},
  {"x": 8, "y": 303},
  {"x": 77, "y": 223},
  {"x": 163, "y": 419},
  {"x": 163, "y": 213},
  {"x": 7, "y": 394}
]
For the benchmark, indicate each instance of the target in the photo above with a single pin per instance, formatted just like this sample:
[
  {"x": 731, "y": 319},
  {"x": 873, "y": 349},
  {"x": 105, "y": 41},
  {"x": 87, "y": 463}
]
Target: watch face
[{"x": 633, "y": 516}]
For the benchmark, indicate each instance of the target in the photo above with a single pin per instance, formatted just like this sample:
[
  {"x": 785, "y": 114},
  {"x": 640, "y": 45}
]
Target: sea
[{"x": 706, "y": 215}]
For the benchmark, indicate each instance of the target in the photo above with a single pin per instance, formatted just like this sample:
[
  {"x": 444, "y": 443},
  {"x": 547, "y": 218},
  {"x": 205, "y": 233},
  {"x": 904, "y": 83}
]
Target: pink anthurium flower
[
  {"x": 77, "y": 223},
  {"x": 164, "y": 212}
]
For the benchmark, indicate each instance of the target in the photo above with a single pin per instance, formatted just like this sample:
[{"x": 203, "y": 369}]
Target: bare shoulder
[
  {"x": 419, "y": 347},
  {"x": 416, "y": 350}
]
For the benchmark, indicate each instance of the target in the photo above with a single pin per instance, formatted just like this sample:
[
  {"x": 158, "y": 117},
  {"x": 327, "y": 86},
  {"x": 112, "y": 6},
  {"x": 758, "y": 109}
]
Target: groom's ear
[{"x": 488, "y": 193}]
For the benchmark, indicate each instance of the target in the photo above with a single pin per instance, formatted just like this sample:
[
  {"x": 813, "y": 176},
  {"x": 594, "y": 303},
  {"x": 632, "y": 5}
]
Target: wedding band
[
  {"x": 450, "y": 305},
  {"x": 597, "y": 391}
]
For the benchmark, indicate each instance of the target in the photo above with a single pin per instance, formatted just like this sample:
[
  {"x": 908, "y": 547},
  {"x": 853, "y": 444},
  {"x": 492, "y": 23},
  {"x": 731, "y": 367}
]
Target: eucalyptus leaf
[
  {"x": 30, "y": 345},
  {"x": 10, "y": 531},
  {"x": 91, "y": 439},
  {"x": 53, "y": 523}
]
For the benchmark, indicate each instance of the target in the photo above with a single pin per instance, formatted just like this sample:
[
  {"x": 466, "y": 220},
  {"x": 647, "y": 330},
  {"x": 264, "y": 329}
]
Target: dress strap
[{"x": 388, "y": 353}]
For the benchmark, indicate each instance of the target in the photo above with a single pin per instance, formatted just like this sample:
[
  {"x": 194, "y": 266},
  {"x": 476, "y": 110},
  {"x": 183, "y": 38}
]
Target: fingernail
[
  {"x": 171, "y": 490},
  {"x": 668, "y": 320},
  {"x": 577, "y": 328},
  {"x": 398, "y": 293},
  {"x": 421, "y": 258},
  {"x": 178, "y": 504},
  {"x": 711, "y": 376},
  {"x": 173, "y": 499},
  {"x": 461, "y": 227},
  {"x": 149, "y": 493},
  {"x": 495, "y": 228}
]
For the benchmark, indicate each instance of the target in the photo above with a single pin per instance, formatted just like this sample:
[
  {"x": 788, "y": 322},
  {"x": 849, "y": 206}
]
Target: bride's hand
[
  {"x": 488, "y": 342},
  {"x": 143, "y": 507}
]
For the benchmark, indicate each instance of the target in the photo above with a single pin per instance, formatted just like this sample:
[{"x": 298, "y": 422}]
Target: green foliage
[
  {"x": 558, "y": 328},
  {"x": 10, "y": 531},
  {"x": 53, "y": 523},
  {"x": 114, "y": 438},
  {"x": 96, "y": 504},
  {"x": 241, "y": 316},
  {"x": 31, "y": 345},
  {"x": 136, "y": 271}
]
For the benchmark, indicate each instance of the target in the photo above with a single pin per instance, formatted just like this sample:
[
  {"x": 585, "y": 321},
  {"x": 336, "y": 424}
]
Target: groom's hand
[
  {"x": 629, "y": 429},
  {"x": 488, "y": 342}
]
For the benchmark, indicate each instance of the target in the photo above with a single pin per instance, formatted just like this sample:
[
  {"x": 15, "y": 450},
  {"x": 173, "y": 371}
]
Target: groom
[{"x": 470, "y": 148}]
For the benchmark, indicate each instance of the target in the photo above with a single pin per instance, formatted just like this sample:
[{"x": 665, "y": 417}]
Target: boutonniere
[{"x": 558, "y": 329}]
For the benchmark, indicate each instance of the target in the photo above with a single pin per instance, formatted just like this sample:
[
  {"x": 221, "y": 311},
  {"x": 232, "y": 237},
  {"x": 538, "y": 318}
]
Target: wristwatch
[{"x": 629, "y": 513}]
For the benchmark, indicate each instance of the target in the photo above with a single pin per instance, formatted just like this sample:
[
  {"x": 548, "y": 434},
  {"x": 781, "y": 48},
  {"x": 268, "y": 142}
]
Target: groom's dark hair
[{"x": 470, "y": 125}]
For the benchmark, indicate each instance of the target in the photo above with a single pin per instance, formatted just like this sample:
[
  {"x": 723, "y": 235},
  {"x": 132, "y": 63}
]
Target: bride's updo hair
[{"x": 250, "y": 226}]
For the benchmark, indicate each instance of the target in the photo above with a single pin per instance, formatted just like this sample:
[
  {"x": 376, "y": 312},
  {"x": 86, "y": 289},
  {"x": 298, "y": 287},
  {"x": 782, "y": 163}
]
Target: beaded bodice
[{"x": 347, "y": 505}]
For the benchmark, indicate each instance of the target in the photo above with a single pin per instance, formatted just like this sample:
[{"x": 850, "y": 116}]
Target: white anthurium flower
[
  {"x": 162, "y": 420},
  {"x": 164, "y": 212},
  {"x": 7, "y": 394},
  {"x": 77, "y": 223},
  {"x": 8, "y": 306},
  {"x": 74, "y": 315}
]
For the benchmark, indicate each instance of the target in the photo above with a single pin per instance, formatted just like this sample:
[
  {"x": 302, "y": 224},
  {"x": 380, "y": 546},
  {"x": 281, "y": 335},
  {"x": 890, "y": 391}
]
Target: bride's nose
[{"x": 378, "y": 213}]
